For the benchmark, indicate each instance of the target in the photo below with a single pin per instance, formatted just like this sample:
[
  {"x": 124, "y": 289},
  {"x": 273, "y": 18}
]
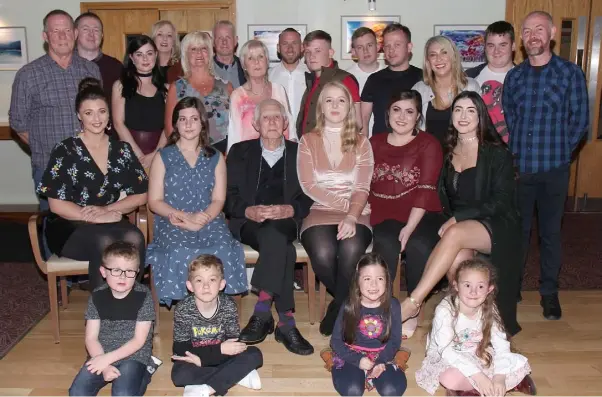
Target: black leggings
[
  {"x": 418, "y": 248},
  {"x": 334, "y": 260},
  {"x": 88, "y": 241}
]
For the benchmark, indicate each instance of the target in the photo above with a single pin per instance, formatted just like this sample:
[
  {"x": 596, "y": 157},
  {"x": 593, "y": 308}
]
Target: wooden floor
[{"x": 566, "y": 355}]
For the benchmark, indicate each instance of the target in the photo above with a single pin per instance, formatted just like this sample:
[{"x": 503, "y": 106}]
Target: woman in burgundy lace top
[{"x": 407, "y": 164}]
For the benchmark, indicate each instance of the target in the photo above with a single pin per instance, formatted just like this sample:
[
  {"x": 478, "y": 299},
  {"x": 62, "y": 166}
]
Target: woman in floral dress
[
  {"x": 91, "y": 182},
  {"x": 187, "y": 193}
]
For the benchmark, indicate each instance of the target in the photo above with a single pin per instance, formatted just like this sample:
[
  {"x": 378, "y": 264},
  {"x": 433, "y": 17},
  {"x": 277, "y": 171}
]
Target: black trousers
[
  {"x": 547, "y": 190},
  {"x": 418, "y": 248},
  {"x": 221, "y": 377},
  {"x": 275, "y": 270},
  {"x": 333, "y": 260},
  {"x": 88, "y": 242}
]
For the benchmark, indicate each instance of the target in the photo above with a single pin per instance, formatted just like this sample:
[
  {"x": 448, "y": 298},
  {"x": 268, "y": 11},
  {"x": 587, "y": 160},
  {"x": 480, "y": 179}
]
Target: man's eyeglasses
[{"x": 118, "y": 272}]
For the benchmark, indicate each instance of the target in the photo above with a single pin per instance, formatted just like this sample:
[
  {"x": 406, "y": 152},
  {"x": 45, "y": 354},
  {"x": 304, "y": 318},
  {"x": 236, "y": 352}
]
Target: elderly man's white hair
[{"x": 269, "y": 101}]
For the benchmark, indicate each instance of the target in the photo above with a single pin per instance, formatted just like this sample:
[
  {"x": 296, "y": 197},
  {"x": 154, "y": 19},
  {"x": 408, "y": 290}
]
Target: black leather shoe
[
  {"x": 551, "y": 307},
  {"x": 327, "y": 323},
  {"x": 256, "y": 330},
  {"x": 294, "y": 341}
]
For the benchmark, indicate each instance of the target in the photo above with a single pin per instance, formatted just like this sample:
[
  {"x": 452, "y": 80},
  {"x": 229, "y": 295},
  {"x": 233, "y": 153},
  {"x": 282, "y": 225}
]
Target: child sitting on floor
[
  {"x": 468, "y": 351},
  {"x": 119, "y": 329},
  {"x": 208, "y": 359}
]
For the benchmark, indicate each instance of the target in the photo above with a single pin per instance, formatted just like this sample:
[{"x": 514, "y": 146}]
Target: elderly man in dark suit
[{"x": 266, "y": 206}]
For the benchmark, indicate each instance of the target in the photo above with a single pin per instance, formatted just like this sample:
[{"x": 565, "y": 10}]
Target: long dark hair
[
  {"x": 89, "y": 89},
  {"x": 353, "y": 305},
  {"x": 489, "y": 312},
  {"x": 486, "y": 132},
  {"x": 406, "y": 95},
  {"x": 129, "y": 76},
  {"x": 187, "y": 103}
]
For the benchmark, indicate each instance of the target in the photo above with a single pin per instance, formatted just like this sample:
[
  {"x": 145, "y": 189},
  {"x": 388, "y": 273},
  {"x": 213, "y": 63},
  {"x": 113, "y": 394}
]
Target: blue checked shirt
[
  {"x": 43, "y": 103},
  {"x": 546, "y": 110}
]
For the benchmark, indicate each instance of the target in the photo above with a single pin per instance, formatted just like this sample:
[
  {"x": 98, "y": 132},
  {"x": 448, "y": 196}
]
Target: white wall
[{"x": 419, "y": 16}]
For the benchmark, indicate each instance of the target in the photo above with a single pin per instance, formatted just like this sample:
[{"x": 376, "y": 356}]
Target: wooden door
[
  {"x": 572, "y": 19},
  {"x": 118, "y": 24},
  {"x": 197, "y": 19},
  {"x": 588, "y": 186}
]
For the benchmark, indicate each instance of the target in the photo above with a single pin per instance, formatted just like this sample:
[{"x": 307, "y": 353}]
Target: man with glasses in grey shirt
[{"x": 42, "y": 107}]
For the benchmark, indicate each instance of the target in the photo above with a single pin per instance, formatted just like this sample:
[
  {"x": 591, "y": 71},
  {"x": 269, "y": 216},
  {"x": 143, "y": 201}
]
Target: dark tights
[
  {"x": 334, "y": 260},
  {"x": 88, "y": 241}
]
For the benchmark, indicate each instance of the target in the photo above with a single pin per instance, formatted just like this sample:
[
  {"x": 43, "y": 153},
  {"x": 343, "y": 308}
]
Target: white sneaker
[
  {"x": 251, "y": 381},
  {"x": 196, "y": 391}
]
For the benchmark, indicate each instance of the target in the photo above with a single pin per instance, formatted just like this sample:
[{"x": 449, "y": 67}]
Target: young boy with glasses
[{"x": 119, "y": 329}]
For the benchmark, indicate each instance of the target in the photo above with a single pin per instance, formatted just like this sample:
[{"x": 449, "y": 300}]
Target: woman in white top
[
  {"x": 255, "y": 58},
  {"x": 444, "y": 79}
]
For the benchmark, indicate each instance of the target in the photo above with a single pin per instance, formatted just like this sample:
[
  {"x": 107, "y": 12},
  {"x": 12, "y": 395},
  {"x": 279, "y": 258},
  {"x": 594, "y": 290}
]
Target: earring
[{"x": 109, "y": 126}]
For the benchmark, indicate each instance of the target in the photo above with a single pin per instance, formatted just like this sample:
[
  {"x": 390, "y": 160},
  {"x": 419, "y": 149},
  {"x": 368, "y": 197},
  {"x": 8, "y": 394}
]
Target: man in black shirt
[{"x": 400, "y": 75}]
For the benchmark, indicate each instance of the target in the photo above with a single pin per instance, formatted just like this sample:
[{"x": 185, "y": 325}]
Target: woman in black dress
[
  {"x": 86, "y": 177},
  {"x": 477, "y": 191},
  {"x": 138, "y": 102}
]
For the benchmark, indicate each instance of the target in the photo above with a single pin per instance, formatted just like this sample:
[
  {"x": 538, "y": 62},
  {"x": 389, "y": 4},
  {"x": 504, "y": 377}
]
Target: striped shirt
[
  {"x": 546, "y": 110},
  {"x": 43, "y": 103}
]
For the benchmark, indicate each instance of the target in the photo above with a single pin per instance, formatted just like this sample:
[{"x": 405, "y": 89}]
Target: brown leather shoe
[{"x": 401, "y": 358}]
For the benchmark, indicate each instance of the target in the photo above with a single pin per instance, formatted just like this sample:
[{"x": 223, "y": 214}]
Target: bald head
[{"x": 537, "y": 33}]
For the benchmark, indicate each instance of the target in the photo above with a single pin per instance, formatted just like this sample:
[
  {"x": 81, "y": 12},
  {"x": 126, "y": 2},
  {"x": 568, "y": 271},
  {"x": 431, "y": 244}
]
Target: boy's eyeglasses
[{"x": 118, "y": 272}]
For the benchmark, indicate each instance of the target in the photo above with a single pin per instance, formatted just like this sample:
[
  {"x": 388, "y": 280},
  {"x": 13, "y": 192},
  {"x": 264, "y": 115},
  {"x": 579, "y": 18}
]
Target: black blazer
[
  {"x": 495, "y": 186},
  {"x": 243, "y": 163}
]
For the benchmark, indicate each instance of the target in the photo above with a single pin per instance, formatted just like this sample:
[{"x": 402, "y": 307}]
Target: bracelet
[{"x": 414, "y": 302}]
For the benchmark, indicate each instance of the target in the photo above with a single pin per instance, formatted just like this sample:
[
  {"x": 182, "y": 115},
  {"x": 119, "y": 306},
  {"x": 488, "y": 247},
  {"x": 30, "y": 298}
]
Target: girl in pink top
[{"x": 335, "y": 165}]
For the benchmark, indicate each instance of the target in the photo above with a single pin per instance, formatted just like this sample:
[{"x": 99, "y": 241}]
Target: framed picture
[
  {"x": 377, "y": 23},
  {"x": 268, "y": 34},
  {"x": 470, "y": 40},
  {"x": 13, "y": 48}
]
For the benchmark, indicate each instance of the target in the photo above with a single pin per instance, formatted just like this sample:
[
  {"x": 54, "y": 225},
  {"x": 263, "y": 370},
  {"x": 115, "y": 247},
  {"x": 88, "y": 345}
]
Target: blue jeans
[
  {"x": 547, "y": 190},
  {"x": 133, "y": 381},
  {"x": 37, "y": 174}
]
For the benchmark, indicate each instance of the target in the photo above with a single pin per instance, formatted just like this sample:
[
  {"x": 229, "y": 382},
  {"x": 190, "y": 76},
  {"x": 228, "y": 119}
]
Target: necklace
[
  {"x": 250, "y": 89},
  {"x": 472, "y": 138}
]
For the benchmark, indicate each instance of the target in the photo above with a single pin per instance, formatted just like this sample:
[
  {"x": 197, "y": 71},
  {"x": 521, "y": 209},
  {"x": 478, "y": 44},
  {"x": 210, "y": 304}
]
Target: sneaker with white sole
[
  {"x": 251, "y": 381},
  {"x": 196, "y": 391}
]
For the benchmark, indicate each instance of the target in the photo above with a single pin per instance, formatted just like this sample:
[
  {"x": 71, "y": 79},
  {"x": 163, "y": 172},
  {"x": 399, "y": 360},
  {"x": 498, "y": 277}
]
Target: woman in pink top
[
  {"x": 254, "y": 57},
  {"x": 335, "y": 165}
]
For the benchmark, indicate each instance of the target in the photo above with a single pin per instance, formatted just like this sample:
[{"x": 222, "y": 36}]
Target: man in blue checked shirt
[{"x": 546, "y": 109}]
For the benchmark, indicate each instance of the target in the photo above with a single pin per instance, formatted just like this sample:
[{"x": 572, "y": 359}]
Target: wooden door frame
[{"x": 161, "y": 6}]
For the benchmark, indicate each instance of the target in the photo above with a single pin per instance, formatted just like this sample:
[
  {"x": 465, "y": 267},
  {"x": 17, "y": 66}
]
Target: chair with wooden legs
[{"x": 59, "y": 268}]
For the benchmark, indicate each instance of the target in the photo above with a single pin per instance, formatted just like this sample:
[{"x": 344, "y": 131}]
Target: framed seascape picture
[
  {"x": 470, "y": 40},
  {"x": 377, "y": 23},
  {"x": 13, "y": 48},
  {"x": 268, "y": 34}
]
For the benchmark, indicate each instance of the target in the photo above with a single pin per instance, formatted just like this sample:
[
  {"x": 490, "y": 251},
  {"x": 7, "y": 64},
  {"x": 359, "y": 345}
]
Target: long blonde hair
[
  {"x": 196, "y": 38},
  {"x": 459, "y": 79},
  {"x": 175, "y": 50},
  {"x": 350, "y": 132}
]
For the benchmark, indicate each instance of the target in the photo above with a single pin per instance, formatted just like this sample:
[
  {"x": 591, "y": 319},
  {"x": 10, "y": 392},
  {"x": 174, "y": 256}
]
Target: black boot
[
  {"x": 551, "y": 306},
  {"x": 327, "y": 324},
  {"x": 256, "y": 330}
]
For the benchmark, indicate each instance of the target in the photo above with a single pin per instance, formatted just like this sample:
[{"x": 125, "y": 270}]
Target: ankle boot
[
  {"x": 526, "y": 386},
  {"x": 401, "y": 358},
  {"x": 326, "y": 355},
  {"x": 473, "y": 392}
]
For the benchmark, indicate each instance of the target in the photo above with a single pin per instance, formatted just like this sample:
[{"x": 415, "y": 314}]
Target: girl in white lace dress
[{"x": 468, "y": 351}]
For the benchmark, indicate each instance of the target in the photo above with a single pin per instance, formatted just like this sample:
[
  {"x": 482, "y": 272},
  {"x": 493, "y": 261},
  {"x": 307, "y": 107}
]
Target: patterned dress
[
  {"x": 190, "y": 189},
  {"x": 453, "y": 344}
]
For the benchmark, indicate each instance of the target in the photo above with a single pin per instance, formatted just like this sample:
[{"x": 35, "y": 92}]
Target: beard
[
  {"x": 289, "y": 59},
  {"x": 535, "y": 49}
]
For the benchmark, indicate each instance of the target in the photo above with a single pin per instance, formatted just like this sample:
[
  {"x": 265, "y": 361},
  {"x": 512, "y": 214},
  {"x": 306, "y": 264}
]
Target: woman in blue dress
[{"x": 187, "y": 191}]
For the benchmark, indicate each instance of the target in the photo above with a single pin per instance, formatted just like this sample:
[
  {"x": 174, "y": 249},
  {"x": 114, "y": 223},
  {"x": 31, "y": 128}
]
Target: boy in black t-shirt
[
  {"x": 119, "y": 324},
  {"x": 208, "y": 359}
]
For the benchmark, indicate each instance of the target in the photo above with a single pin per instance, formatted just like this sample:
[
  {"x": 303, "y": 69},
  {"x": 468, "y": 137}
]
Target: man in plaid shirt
[
  {"x": 42, "y": 106},
  {"x": 546, "y": 108}
]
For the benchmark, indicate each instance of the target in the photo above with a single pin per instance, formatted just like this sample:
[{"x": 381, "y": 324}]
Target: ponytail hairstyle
[
  {"x": 489, "y": 312},
  {"x": 129, "y": 75},
  {"x": 89, "y": 89},
  {"x": 353, "y": 304},
  {"x": 187, "y": 103}
]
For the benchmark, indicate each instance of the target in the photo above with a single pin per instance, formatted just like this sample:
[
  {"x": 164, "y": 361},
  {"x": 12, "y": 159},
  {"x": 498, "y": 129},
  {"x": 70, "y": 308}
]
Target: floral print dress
[
  {"x": 190, "y": 189},
  {"x": 72, "y": 175}
]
